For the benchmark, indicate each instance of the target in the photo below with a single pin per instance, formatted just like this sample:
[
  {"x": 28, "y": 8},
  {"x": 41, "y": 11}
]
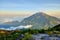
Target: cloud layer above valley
[{"x": 17, "y": 28}]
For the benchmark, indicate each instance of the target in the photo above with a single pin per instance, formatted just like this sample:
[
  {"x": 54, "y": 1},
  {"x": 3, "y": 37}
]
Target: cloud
[
  {"x": 19, "y": 27},
  {"x": 28, "y": 26},
  {"x": 4, "y": 20}
]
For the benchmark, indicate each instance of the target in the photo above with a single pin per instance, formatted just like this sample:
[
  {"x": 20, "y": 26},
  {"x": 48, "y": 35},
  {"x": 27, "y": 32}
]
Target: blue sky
[
  {"x": 29, "y": 5},
  {"x": 17, "y": 6}
]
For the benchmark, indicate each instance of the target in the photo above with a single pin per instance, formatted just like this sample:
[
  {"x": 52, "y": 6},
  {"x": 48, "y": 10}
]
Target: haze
[{"x": 29, "y": 7}]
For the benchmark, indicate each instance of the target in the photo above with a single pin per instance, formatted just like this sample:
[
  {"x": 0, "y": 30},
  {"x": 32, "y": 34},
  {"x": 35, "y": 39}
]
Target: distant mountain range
[
  {"x": 10, "y": 24},
  {"x": 40, "y": 20}
]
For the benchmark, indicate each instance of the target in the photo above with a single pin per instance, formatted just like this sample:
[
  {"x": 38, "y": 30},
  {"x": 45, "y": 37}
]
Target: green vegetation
[
  {"x": 27, "y": 36},
  {"x": 27, "y": 33}
]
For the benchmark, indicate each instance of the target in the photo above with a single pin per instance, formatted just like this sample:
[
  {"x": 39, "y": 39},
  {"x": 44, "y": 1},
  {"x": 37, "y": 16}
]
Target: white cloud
[
  {"x": 28, "y": 26},
  {"x": 19, "y": 27},
  {"x": 5, "y": 20}
]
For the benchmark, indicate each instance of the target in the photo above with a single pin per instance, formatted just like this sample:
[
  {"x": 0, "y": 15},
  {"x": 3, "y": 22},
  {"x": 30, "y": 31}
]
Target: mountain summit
[{"x": 40, "y": 20}]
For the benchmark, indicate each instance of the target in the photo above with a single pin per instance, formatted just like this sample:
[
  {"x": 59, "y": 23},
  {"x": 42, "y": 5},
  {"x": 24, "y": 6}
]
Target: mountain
[
  {"x": 40, "y": 20},
  {"x": 10, "y": 24},
  {"x": 56, "y": 28}
]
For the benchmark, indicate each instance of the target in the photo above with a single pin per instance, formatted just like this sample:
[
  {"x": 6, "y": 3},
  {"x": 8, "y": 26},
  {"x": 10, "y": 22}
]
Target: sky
[{"x": 28, "y": 7}]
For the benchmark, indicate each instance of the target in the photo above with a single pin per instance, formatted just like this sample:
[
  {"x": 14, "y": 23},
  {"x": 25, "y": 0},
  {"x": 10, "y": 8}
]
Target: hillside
[{"x": 40, "y": 20}]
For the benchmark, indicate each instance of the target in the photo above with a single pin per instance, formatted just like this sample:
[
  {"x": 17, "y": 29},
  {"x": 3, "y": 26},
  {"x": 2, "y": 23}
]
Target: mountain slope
[
  {"x": 40, "y": 20},
  {"x": 10, "y": 24},
  {"x": 56, "y": 28}
]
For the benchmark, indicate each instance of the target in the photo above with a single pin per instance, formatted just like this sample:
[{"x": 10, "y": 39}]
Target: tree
[{"x": 27, "y": 36}]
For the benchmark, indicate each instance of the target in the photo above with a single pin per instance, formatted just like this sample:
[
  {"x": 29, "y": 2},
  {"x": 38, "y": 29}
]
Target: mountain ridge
[
  {"x": 40, "y": 20},
  {"x": 10, "y": 24}
]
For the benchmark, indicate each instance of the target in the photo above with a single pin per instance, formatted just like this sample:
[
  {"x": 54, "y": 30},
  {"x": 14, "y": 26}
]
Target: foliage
[
  {"x": 28, "y": 33},
  {"x": 27, "y": 36}
]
